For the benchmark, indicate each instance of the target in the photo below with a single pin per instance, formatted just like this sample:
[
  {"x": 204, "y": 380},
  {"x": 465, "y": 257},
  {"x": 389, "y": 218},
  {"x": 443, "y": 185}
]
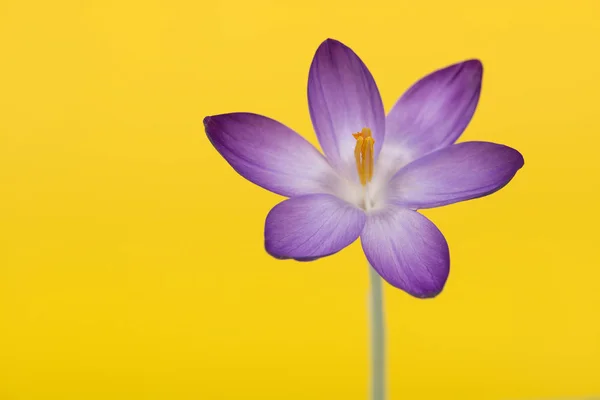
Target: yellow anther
[{"x": 363, "y": 153}]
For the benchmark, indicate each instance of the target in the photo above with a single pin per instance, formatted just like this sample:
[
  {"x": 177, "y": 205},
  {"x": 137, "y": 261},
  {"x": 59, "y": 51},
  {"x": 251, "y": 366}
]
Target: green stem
[{"x": 377, "y": 337}]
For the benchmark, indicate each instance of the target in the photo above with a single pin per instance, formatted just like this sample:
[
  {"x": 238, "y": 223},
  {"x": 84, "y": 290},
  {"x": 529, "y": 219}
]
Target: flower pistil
[{"x": 363, "y": 153}]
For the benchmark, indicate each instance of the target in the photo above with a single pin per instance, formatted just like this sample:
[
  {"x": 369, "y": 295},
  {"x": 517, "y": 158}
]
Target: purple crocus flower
[{"x": 378, "y": 170}]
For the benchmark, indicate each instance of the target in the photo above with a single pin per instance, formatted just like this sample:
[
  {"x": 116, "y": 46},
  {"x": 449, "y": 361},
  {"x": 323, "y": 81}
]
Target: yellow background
[{"x": 131, "y": 255}]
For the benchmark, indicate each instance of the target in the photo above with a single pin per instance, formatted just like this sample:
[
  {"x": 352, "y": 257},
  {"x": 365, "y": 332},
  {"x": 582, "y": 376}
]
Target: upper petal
[
  {"x": 312, "y": 226},
  {"x": 433, "y": 113},
  {"x": 269, "y": 154},
  {"x": 459, "y": 172},
  {"x": 407, "y": 250},
  {"x": 343, "y": 98}
]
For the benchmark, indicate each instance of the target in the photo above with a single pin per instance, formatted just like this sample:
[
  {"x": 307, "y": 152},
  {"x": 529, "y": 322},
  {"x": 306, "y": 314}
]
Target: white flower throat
[{"x": 369, "y": 192}]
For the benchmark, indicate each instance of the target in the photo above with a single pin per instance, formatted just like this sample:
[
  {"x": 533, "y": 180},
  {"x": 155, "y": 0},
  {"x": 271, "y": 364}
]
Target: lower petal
[
  {"x": 312, "y": 226},
  {"x": 407, "y": 250}
]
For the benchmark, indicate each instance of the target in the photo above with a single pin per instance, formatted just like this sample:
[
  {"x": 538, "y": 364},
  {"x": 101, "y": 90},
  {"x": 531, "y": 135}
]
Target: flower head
[{"x": 377, "y": 171}]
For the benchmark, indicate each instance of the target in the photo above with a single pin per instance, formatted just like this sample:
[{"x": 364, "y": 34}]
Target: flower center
[{"x": 363, "y": 153}]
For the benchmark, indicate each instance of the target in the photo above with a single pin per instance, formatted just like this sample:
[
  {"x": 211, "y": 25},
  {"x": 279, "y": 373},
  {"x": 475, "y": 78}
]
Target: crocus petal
[
  {"x": 269, "y": 154},
  {"x": 312, "y": 226},
  {"x": 433, "y": 113},
  {"x": 407, "y": 250},
  {"x": 459, "y": 172},
  {"x": 343, "y": 99}
]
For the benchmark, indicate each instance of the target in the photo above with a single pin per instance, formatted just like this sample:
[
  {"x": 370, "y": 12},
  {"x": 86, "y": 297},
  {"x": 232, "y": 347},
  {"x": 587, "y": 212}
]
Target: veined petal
[
  {"x": 269, "y": 154},
  {"x": 459, "y": 172},
  {"x": 343, "y": 99},
  {"x": 433, "y": 113},
  {"x": 407, "y": 250},
  {"x": 312, "y": 226}
]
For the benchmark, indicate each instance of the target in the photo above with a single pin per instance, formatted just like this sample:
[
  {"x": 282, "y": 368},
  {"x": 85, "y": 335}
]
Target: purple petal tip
[
  {"x": 474, "y": 63},
  {"x": 475, "y": 67},
  {"x": 428, "y": 295},
  {"x": 472, "y": 68},
  {"x": 333, "y": 43},
  {"x": 520, "y": 159}
]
